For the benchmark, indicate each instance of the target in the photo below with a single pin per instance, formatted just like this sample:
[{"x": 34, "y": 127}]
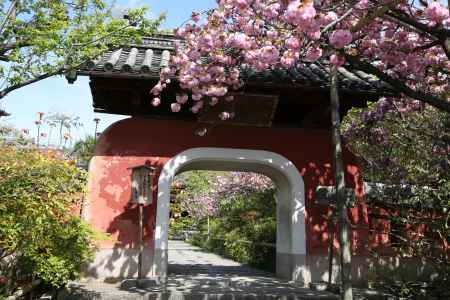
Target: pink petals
[
  {"x": 300, "y": 12},
  {"x": 313, "y": 54},
  {"x": 265, "y": 35},
  {"x": 175, "y": 107},
  {"x": 340, "y": 38},
  {"x": 436, "y": 12},
  {"x": 156, "y": 101}
]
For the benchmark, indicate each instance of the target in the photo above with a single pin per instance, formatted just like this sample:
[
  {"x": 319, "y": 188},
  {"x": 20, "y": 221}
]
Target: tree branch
[
  {"x": 397, "y": 84},
  {"x": 438, "y": 32},
  {"x": 10, "y": 13},
  {"x": 378, "y": 13},
  {"x": 9, "y": 89},
  {"x": 10, "y": 46}
]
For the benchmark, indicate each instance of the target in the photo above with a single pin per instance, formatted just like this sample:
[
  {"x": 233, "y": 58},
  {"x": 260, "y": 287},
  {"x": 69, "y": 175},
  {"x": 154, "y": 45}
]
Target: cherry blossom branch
[
  {"x": 378, "y": 13},
  {"x": 399, "y": 16},
  {"x": 398, "y": 85}
]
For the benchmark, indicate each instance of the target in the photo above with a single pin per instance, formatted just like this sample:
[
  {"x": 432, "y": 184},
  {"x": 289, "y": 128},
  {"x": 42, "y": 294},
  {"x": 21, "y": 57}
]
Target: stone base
[
  {"x": 116, "y": 264},
  {"x": 138, "y": 283},
  {"x": 293, "y": 267},
  {"x": 364, "y": 268},
  {"x": 113, "y": 265}
]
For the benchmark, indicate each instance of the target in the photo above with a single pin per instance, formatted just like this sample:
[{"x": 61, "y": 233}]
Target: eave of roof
[{"x": 145, "y": 61}]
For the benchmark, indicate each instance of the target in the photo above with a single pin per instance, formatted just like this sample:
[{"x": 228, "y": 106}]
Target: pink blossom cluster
[
  {"x": 386, "y": 106},
  {"x": 437, "y": 12},
  {"x": 224, "y": 187},
  {"x": 241, "y": 183},
  {"x": 407, "y": 42}
]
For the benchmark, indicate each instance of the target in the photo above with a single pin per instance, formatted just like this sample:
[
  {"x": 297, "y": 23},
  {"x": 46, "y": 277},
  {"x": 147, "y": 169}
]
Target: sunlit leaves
[
  {"x": 53, "y": 36},
  {"x": 40, "y": 235}
]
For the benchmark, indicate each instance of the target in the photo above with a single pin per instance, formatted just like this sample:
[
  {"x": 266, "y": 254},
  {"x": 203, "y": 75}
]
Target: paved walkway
[
  {"x": 195, "y": 274},
  {"x": 186, "y": 259}
]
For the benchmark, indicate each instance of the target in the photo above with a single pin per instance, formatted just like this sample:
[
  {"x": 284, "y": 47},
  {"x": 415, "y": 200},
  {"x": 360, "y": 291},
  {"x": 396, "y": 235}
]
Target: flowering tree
[
  {"x": 408, "y": 151},
  {"x": 404, "y": 43},
  {"x": 204, "y": 191},
  {"x": 12, "y": 136}
]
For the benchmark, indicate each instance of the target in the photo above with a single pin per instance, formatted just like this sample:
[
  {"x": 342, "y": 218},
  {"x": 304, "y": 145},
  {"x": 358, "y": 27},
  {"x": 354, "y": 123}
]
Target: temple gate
[{"x": 287, "y": 138}]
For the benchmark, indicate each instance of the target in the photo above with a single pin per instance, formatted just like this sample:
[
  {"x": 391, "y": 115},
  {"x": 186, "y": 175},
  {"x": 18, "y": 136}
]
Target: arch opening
[{"x": 290, "y": 196}]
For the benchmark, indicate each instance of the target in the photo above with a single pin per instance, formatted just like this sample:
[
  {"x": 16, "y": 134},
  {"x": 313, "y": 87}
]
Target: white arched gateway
[{"x": 290, "y": 195}]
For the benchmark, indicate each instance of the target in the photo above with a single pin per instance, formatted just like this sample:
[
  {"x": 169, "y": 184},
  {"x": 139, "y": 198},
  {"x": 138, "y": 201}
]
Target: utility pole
[{"x": 341, "y": 199}]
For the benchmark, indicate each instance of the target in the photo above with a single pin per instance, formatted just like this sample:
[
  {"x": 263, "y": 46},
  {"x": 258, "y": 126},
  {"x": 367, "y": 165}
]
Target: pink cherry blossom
[
  {"x": 313, "y": 54},
  {"x": 292, "y": 43},
  {"x": 436, "y": 12},
  {"x": 340, "y": 38},
  {"x": 195, "y": 16},
  {"x": 363, "y": 4},
  {"x": 175, "y": 107},
  {"x": 229, "y": 98},
  {"x": 224, "y": 115},
  {"x": 214, "y": 101},
  {"x": 300, "y": 12},
  {"x": 337, "y": 60},
  {"x": 263, "y": 35},
  {"x": 240, "y": 40},
  {"x": 156, "y": 101},
  {"x": 181, "y": 99}
]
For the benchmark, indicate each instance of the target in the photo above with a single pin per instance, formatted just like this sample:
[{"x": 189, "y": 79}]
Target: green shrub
[
  {"x": 244, "y": 230},
  {"x": 42, "y": 242},
  {"x": 180, "y": 224}
]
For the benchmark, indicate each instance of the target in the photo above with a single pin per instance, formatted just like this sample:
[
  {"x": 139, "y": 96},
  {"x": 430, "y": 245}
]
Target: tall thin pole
[
  {"x": 330, "y": 249},
  {"x": 341, "y": 205},
  {"x": 96, "y": 120},
  {"x": 141, "y": 240},
  {"x": 208, "y": 228},
  {"x": 38, "y": 123}
]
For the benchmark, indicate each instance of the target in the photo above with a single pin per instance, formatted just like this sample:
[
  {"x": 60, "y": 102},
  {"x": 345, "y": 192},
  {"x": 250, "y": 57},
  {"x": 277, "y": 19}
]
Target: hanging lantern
[{"x": 141, "y": 183}]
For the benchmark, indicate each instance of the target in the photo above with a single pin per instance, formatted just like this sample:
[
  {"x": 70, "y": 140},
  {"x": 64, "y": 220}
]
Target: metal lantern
[
  {"x": 141, "y": 193},
  {"x": 141, "y": 184}
]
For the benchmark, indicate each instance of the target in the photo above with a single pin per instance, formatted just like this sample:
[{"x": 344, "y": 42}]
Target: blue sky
[{"x": 56, "y": 95}]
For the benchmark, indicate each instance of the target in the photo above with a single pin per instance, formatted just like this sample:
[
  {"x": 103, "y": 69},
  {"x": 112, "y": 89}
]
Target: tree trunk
[{"x": 341, "y": 201}]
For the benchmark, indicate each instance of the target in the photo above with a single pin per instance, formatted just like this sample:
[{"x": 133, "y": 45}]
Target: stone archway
[{"x": 291, "y": 213}]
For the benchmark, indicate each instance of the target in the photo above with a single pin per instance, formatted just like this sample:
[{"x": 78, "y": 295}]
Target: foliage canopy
[
  {"x": 42, "y": 241},
  {"x": 41, "y": 38}
]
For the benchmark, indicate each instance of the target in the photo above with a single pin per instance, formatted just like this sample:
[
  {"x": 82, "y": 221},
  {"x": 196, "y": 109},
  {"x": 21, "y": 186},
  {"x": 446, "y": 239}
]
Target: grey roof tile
[{"x": 146, "y": 60}]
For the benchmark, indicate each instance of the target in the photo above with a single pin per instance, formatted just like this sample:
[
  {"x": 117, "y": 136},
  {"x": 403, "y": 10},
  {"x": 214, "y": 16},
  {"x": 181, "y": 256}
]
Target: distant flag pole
[
  {"x": 38, "y": 124},
  {"x": 96, "y": 120}
]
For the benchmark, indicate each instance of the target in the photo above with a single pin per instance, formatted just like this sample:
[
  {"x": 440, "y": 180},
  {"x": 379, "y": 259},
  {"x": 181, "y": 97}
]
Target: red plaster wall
[{"x": 133, "y": 141}]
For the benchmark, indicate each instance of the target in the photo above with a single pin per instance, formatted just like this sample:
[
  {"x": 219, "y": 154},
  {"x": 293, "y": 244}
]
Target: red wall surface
[{"x": 134, "y": 141}]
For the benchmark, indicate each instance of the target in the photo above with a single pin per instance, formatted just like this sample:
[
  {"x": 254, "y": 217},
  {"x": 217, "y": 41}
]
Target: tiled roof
[{"x": 146, "y": 60}]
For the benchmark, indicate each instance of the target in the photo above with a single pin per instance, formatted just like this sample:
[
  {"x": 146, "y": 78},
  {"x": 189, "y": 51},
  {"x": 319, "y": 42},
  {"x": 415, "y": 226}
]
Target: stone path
[
  {"x": 186, "y": 259},
  {"x": 198, "y": 275}
]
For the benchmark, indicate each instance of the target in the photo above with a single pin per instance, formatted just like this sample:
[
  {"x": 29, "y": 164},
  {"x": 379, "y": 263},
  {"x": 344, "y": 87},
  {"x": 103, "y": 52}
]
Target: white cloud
[{"x": 118, "y": 10}]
